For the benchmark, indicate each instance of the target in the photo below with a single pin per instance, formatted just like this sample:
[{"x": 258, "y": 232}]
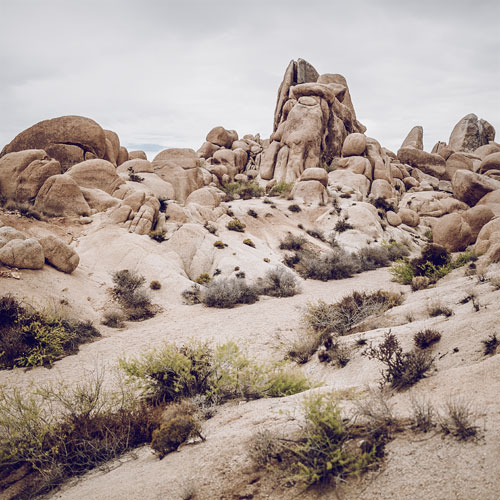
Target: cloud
[{"x": 166, "y": 72}]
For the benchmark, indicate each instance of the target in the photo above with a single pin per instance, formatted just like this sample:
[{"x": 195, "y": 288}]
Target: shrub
[
  {"x": 373, "y": 257},
  {"x": 403, "y": 369},
  {"x": 35, "y": 338},
  {"x": 457, "y": 420},
  {"x": 163, "y": 204},
  {"x": 236, "y": 225},
  {"x": 227, "y": 292},
  {"x": 292, "y": 242},
  {"x": 179, "y": 425},
  {"x": 249, "y": 242},
  {"x": 244, "y": 190},
  {"x": 343, "y": 225},
  {"x": 219, "y": 244},
  {"x": 158, "y": 235},
  {"x": 437, "y": 309},
  {"x": 490, "y": 344},
  {"x": 133, "y": 176},
  {"x": 279, "y": 282},
  {"x": 129, "y": 292},
  {"x": 252, "y": 213},
  {"x": 294, "y": 208},
  {"x": 155, "y": 285},
  {"x": 203, "y": 279},
  {"x": 425, "y": 338},
  {"x": 192, "y": 295},
  {"x": 91, "y": 426},
  {"x": 25, "y": 209},
  {"x": 342, "y": 316},
  {"x": 304, "y": 346},
  {"x": 382, "y": 204},
  {"x": 423, "y": 414},
  {"x": 217, "y": 373},
  {"x": 210, "y": 227},
  {"x": 282, "y": 189},
  {"x": 113, "y": 319},
  {"x": 334, "y": 351},
  {"x": 316, "y": 233},
  {"x": 335, "y": 265}
]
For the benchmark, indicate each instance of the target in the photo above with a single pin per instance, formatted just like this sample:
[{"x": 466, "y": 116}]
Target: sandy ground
[{"x": 416, "y": 466}]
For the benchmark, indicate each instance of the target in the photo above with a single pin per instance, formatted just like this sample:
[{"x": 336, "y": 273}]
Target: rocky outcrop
[
  {"x": 452, "y": 232},
  {"x": 470, "y": 133},
  {"x": 470, "y": 187},
  {"x": 414, "y": 139},
  {"x": 59, "y": 255},
  {"x": 430, "y": 163},
  {"x": 96, "y": 174},
  {"x": 490, "y": 162},
  {"x": 68, "y": 139}
]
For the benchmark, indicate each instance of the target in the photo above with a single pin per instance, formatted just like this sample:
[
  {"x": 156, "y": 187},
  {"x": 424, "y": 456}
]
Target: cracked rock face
[
  {"x": 68, "y": 139},
  {"x": 470, "y": 133}
]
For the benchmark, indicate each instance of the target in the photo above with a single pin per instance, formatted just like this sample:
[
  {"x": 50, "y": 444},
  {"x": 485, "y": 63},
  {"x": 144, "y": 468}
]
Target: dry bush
[
  {"x": 490, "y": 344},
  {"x": 279, "y": 282},
  {"x": 294, "y": 208},
  {"x": 292, "y": 242},
  {"x": 303, "y": 346},
  {"x": 155, "y": 285},
  {"x": 343, "y": 225},
  {"x": 236, "y": 225},
  {"x": 438, "y": 309},
  {"x": 129, "y": 292},
  {"x": 402, "y": 369},
  {"x": 334, "y": 351},
  {"x": 425, "y": 338},
  {"x": 423, "y": 414},
  {"x": 335, "y": 265},
  {"x": 265, "y": 448},
  {"x": 113, "y": 319},
  {"x": 375, "y": 412},
  {"x": 458, "y": 420},
  {"x": 227, "y": 292}
]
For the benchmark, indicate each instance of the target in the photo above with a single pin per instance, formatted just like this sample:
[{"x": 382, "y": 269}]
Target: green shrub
[
  {"x": 282, "y": 189},
  {"x": 244, "y": 190},
  {"x": 217, "y": 373},
  {"x": 35, "y": 338},
  {"x": 203, "y": 279},
  {"x": 129, "y": 292},
  {"x": 158, "y": 235},
  {"x": 236, "y": 225},
  {"x": 403, "y": 369},
  {"x": 219, "y": 244},
  {"x": 227, "y": 292},
  {"x": 279, "y": 282},
  {"x": 249, "y": 242},
  {"x": 425, "y": 338}
]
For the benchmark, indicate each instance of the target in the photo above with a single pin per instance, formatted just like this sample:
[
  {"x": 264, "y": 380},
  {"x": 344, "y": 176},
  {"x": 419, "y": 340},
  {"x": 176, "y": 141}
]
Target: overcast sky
[{"x": 164, "y": 72}]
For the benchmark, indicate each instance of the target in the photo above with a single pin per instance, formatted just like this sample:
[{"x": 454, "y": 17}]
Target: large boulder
[
  {"x": 470, "y": 187},
  {"x": 354, "y": 145},
  {"x": 96, "y": 174},
  {"x": 477, "y": 217},
  {"x": 431, "y": 203},
  {"x": 357, "y": 165},
  {"x": 470, "y": 133},
  {"x": 381, "y": 189},
  {"x": 490, "y": 162},
  {"x": 206, "y": 197},
  {"x": 409, "y": 217},
  {"x": 457, "y": 161},
  {"x": 347, "y": 178},
  {"x": 315, "y": 174},
  {"x": 220, "y": 137},
  {"x": 430, "y": 163},
  {"x": 58, "y": 254},
  {"x": 181, "y": 168},
  {"x": 61, "y": 196},
  {"x": 414, "y": 139},
  {"x": 24, "y": 254},
  {"x": 311, "y": 192},
  {"x": 137, "y": 155},
  {"x": 68, "y": 139},
  {"x": 23, "y": 173},
  {"x": 483, "y": 151},
  {"x": 488, "y": 236},
  {"x": 452, "y": 232},
  {"x": 207, "y": 150},
  {"x": 112, "y": 146},
  {"x": 8, "y": 233},
  {"x": 135, "y": 166}
]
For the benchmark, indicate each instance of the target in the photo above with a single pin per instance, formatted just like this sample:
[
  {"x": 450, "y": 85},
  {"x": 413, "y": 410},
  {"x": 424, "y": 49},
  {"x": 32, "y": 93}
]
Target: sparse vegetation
[
  {"x": 38, "y": 338},
  {"x": 425, "y": 338},
  {"x": 158, "y": 235},
  {"x": 133, "y": 177},
  {"x": 438, "y": 309},
  {"x": 210, "y": 228},
  {"x": 402, "y": 369},
  {"x": 113, "y": 318},
  {"x": 294, "y": 208},
  {"x": 343, "y": 225},
  {"x": 249, "y": 242},
  {"x": 252, "y": 213},
  {"x": 335, "y": 265},
  {"x": 282, "y": 189},
  {"x": 458, "y": 420},
  {"x": 219, "y": 244},
  {"x": 279, "y": 282},
  {"x": 292, "y": 242},
  {"x": 129, "y": 292},
  {"x": 316, "y": 233},
  {"x": 155, "y": 285},
  {"x": 26, "y": 209},
  {"x": 228, "y": 292},
  {"x": 490, "y": 344},
  {"x": 236, "y": 225},
  {"x": 423, "y": 414},
  {"x": 243, "y": 190},
  {"x": 203, "y": 279}
]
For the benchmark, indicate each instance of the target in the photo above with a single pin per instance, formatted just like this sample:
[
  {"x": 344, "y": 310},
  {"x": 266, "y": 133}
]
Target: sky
[{"x": 162, "y": 73}]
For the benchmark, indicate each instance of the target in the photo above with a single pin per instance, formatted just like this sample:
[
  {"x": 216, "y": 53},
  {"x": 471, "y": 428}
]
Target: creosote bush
[
  {"x": 218, "y": 373},
  {"x": 129, "y": 292},
  {"x": 236, "y": 225},
  {"x": 203, "y": 279},
  {"x": 34, "y": 338},
  {"x": 219, "y": 244},
  {"x": 425, "y": 338},
  {"x": 402, "y": 369}
]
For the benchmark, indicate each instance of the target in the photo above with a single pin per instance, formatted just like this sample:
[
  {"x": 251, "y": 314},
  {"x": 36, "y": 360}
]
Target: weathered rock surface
[
  {"x": 354, "y": 145},
  {"x": 58, "y": 254},
  {"x": 68, "y": 139},
  {"x": 490, "y": 162},
  {"x": 470, "y": 187},
  {"x": 470, "y": 133},
  {"x": 452, "y": 232},
  {"x": 220, "y": 137},
  {"x": 477, "y": 217},
  {"x": 414, "y": 139},
  {"x": 137, "y": 165},
  {"x": 137, "y": 155},
  {"x": 430, "y": 163},
  {"x": 61, "y": 196},
  {"x": 8, "y": 233},
  {"x": 24, "y": 254}
]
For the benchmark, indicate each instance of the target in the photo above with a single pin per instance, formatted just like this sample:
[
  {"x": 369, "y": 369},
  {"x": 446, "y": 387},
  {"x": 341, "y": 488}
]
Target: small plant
[
  {"x": 343, "y": 225},
  {"x": 163, "y": 204},
  {"x": 490, "y": 344},
  {"x": 252, "y": 213},
  {"x": 292, "y": 242},
  {"x": 294, "y": 208},
  {"x": 249, "y": 242},
  {"x": 267, "y": 260},
  {"x": 113, "y": 319},
  {"x": 282, "y": 189},
  {"x": 203, "y": 279},
  {"x": 437, "y": 309},
  {"x": 228, "y": 292},
  {"x": 210, "y": 228},
  {"x": 425, "y": 338},
  {"x": 236, "y": 225},
  {"x": 26, "y": 209},
  {"x": 428, "y": 235},
  {"x": 192, "y": 295},
  {"x": 155, "y": 285},
  {"x": 243, "y": 190},
  {"x": 458, "y": 420},
  {"x": 334, "y": 351},
  {"x": 133, "y": 176},
  {"x": 423, "y": 414},
  {"x": 129, "y": 292},
  {"x": 316, "y": 233},
  {"x": 158, "y": 235},
  {"x": 219, "y": 244},
  {"x": 403, "y": 369},
  {"x": 382, "y": 204},
  {"x": 279, "y": 282},
  {"x": 303, "y": 346},
  {"x": 179, "y": 425}
]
